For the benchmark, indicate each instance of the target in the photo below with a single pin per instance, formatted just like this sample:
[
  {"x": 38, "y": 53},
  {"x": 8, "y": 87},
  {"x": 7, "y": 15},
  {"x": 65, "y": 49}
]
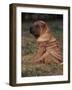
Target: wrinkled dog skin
[{"x": 48, "y": 48}]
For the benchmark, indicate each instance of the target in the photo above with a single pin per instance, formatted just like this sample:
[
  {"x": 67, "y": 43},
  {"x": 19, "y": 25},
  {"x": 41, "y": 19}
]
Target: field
[{"x": 29, "y": 48}]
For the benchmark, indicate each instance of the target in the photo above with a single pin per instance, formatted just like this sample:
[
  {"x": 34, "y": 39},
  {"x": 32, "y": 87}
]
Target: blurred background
[{"x": 55, "y": 22}]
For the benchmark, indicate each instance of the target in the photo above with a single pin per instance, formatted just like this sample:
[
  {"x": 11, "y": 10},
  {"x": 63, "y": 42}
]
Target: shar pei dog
[{"x": 48, "y": 49}]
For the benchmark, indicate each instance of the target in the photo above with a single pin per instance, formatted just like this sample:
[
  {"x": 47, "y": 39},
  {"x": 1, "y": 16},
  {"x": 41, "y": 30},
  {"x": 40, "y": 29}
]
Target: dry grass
[{"x": 30, "y": 69}]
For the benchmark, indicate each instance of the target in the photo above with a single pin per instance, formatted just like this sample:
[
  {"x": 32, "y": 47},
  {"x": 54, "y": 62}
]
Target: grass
[
  {"x": 29, "y": 47},
  {"x": 29, "y": 69}
]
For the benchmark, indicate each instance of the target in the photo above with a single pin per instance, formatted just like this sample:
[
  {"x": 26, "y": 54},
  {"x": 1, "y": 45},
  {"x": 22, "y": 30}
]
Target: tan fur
[{"x": 48, "y": 48}]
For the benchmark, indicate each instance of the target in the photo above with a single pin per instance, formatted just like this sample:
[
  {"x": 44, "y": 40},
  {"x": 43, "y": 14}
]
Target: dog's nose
[{"x": 31, "y": 30}]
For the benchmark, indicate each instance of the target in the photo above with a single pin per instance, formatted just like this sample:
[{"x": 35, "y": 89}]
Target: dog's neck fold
[{"x": 46, "y": 37}]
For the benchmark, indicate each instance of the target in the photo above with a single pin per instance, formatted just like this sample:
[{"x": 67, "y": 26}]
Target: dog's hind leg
[{"x": 57, "y": 56}]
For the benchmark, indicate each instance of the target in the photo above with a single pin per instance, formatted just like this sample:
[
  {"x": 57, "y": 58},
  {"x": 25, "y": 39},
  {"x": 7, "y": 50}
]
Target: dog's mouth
[{"x": 36, "y": 36}]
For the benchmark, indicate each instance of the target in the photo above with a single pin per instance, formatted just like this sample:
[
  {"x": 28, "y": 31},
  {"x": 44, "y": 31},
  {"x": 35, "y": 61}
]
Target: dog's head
[{"x": 38, "y": 28}]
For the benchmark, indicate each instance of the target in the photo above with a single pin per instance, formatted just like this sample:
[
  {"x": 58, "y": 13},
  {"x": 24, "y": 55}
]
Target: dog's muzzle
[{"x": 33, "y": 32}]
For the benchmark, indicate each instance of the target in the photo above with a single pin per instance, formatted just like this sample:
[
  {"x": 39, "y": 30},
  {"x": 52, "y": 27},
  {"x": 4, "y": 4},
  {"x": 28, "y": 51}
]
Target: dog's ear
[{"x": 46, "y": 27}]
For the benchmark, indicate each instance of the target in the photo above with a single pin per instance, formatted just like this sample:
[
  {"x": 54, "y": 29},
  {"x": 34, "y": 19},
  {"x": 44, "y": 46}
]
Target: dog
[{"x": 48, "y": 49}]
